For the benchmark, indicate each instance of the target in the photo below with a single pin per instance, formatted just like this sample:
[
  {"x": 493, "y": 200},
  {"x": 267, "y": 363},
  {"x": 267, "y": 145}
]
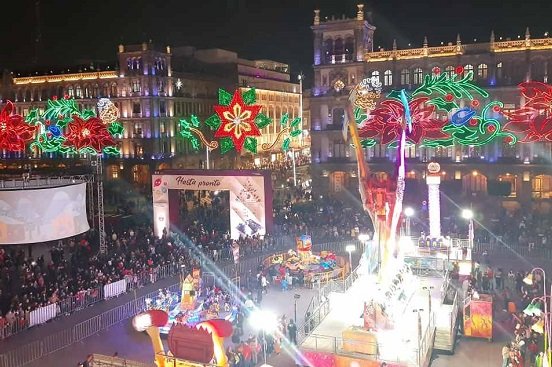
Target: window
[
  {"x": 162, "y": 108},
  {"x": 338, "y": 116},
  {"x": 468, "y": 68},
  {"x": 449, "y": 70},
  {"x": 387, "y": 77},
  {"x": 113, "y": 90},
  {"x": 136, "y": 108},
  {"x": 161, "y": 86},
  {"x": 499, "y": 70},
  {"x": 542, "y": 187},
  {"x": 78, "y": 92},
  {"x": 418, "y": 76},
  {"x": 339, "y": 149},
  {"x": 138, "y": 130},
  {"x": 482, "y": 71},
  {"x": 162, "y": 127},
  {"x": 405, "y": 77},
  {"x": 96, "y": 91},
  {"x": 376, "y": 75},
  {"x": 70, "y": 92},
  {"x": 86, "y": 91},
  {"x": 136, "y": 85}
]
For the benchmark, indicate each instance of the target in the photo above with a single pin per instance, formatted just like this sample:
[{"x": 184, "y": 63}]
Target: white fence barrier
[
  {"x": 42, "y": 314},
  {"x": 115, "y": 289}
]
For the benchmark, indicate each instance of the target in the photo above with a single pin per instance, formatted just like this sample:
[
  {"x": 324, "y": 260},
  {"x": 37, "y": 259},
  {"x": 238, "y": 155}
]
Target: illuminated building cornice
[
  {"x": 65, "y": 77},
  {"x": 458, "y": 49}
]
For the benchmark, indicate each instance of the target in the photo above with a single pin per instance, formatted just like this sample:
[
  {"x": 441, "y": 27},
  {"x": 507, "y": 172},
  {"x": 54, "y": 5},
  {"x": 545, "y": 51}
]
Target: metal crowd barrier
[{"x": 52, "y": 343}]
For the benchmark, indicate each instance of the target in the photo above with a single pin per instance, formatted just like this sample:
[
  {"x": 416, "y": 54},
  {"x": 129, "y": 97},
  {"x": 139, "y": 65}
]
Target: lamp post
[
  {"x": 350, "y": 249},
  {"x": 265, "y": 321},
  {"x": 296, "y": 296},
  {"x": 468, "y": 214},
  {"x": 408, "y": 212},
  {"x": 547, "y": 327},
  {"x": 428, "y": 289}
]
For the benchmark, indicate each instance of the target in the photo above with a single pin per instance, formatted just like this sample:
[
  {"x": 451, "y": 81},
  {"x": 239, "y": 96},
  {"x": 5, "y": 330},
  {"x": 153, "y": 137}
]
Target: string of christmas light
[
  {"x": 473, "y": 125},
  {"x": 84, "y": 131},
  {"x": 237, "y": 124}
]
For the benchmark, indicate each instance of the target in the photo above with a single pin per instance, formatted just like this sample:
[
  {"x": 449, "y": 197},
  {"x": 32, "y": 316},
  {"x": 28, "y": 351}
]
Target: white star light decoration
[{"x": 178, "y": 84}]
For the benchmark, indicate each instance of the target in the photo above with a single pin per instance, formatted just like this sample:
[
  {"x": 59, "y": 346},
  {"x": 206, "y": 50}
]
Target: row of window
[
  {"x": 135, "y": 63},
  {"x": 416, "y": 75}
]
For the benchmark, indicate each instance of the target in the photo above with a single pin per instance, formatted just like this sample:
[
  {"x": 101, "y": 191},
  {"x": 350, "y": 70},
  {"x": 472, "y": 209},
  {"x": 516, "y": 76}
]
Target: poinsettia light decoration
[{"x": 14, "y": 132}]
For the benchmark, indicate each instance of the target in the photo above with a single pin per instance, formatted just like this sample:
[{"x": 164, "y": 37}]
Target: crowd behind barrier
[{"x": 76, "y": 275}]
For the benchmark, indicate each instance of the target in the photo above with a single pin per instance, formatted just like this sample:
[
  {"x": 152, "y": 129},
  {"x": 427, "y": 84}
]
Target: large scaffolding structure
[{"x": 97, "y": 166}]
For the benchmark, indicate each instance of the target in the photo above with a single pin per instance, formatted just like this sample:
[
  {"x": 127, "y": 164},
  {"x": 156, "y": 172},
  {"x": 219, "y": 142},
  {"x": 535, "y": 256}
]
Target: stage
[{"x": 408, "y": 342}]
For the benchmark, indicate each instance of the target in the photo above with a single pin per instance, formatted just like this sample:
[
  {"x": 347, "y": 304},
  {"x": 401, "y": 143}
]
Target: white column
[{"x": 433, "y": 182}]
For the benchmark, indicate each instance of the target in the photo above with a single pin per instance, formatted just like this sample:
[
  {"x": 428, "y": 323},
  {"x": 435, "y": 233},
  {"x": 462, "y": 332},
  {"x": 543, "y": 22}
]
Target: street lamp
[
  {"x": 296, "y": 297},
  {"x": 468, "y": 215},
  {"x": 350, "y": 249},
  {"x": 547, "y": 330},
  {"x": 265, "y": 321},
  {"x": 408, "y": 212}
]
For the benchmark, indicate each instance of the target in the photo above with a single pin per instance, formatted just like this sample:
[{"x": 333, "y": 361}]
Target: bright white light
[
  {"x": 350, "y": 248},
  {"x": 408, "y": 211},
  {"x": 406, "y": 242},
  {"x": 467, "y": 214},
  {"x": 264, "y": 320},
  {"x": 363, "y": 237},
  {"x": 142, "y": 321}
]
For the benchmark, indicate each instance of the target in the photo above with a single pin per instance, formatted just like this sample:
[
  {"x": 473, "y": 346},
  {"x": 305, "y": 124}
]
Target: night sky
[{"x": 75, "y": 32}]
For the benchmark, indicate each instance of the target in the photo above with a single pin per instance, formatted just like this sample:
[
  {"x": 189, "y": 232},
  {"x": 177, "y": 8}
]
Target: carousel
[{"x": 302, "y": 266}]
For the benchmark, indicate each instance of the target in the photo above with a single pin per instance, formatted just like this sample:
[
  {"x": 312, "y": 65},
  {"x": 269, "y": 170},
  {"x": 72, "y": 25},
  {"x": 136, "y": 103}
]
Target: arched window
[
  {"x": 388, "y": 78},
  {"x": 78, "y": 92},
  {"x": 105, "y": 90},
  {"x": 86, "y": 91},
  {"x": 339, "y": 47},
  {"x": 328, "y": 50},
  {"x": 349, "y": 48},
  {"x": 468, "y": 68},
  {"x": 375, "y": 75},
  {"x": 338, "y": 116},
  {"x": 114, "y": 90},
  {"x": 70, "y": 91},
  {"x": 96, "y": 91},
  {"x": 405, "y": 77},
  {"x": 130, "y": 64},
  {"x": 450, "y": 71},
  {"x": 482, "y": 71},
  {"x": 44, "y": 94},
  {"x": 418, "y": 76}
]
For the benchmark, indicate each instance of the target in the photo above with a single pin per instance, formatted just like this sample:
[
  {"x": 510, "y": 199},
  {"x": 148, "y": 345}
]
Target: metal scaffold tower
[{"x": 97, "y": 164}]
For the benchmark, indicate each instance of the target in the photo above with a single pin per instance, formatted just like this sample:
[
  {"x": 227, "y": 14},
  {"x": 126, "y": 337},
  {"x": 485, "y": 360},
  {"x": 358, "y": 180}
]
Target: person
[
  {"x": 505, "y": 355},
  {"x": 292, "y": 332},
  {"x": 88, "y": 361}
]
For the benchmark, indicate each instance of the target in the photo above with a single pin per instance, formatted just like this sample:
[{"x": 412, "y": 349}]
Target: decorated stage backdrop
[{"x": 250, "y": 197}]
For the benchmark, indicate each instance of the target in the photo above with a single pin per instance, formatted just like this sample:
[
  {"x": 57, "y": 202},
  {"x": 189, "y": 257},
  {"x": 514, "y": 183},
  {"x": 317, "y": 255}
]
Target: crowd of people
[
  {"x": 513, "y": 293},
  {"x": 76, "y": 270}
]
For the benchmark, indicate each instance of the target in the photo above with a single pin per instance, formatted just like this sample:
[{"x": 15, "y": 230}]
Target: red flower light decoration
[
  {"x": 91, "y": 133},
  {"x": 436, "y": 70},
  {"x": 459, "y": 69},
  {"x": 387, "y": 122},
  {"x": 237, "y": 121},
  {"x": 14, "y": 132},
  {"x": 533, "y": 120}
]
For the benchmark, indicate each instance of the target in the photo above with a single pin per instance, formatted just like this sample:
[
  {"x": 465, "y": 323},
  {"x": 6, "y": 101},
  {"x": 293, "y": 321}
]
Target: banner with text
[{"x": 247, "y": 199}]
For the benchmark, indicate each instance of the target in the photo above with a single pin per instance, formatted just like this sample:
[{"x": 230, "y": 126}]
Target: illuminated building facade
[
  {"x": 344, "y": 55},
  {"x": 153, "y": 88}
]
